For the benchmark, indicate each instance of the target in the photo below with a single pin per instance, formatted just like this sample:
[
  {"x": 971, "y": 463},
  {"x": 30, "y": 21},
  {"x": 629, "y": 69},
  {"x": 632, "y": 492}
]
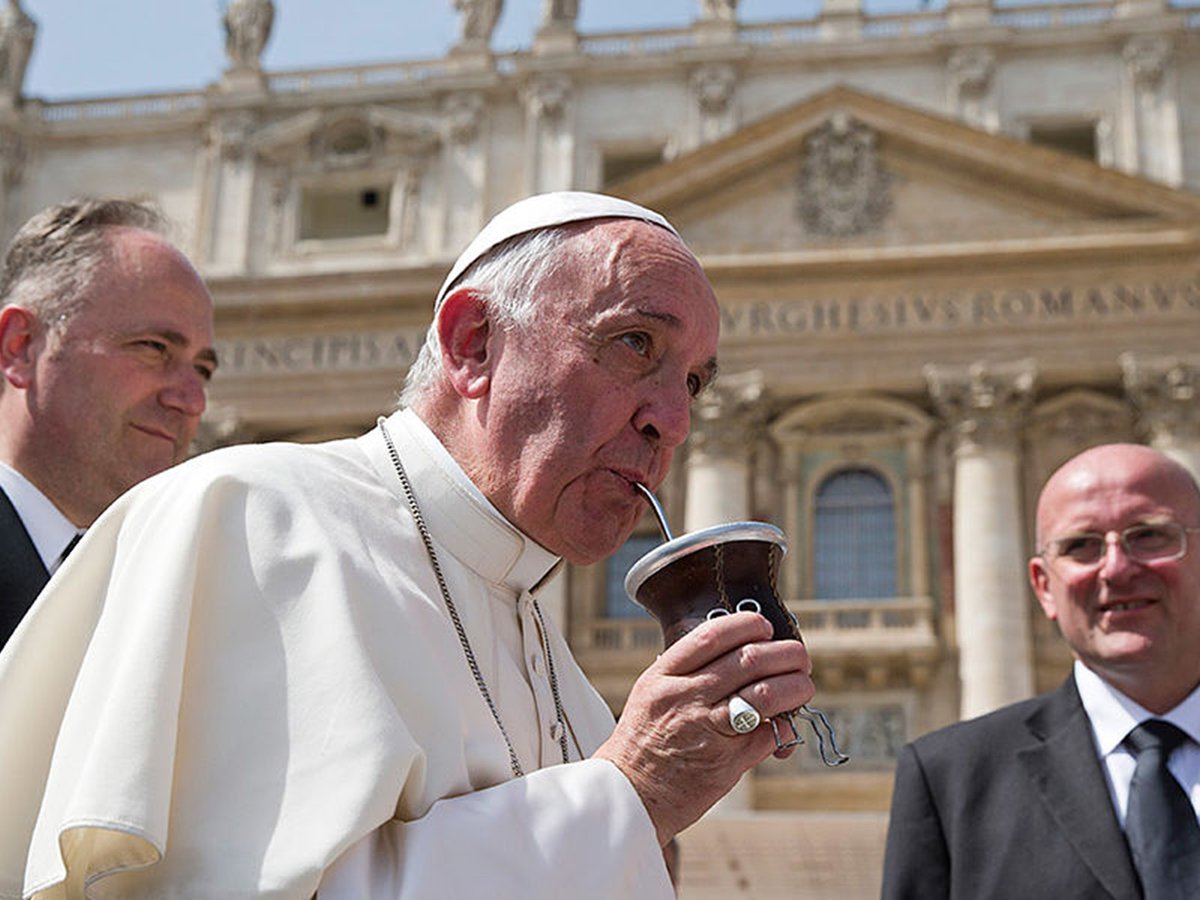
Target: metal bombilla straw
[{"x": 715, "y": 540}]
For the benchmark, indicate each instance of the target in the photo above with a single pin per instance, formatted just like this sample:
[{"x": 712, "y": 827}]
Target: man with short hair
[
  {"x": 106, "y": 339},
  {"x": 292, "y": 670},
  {"x": 1058, "y": 796}
]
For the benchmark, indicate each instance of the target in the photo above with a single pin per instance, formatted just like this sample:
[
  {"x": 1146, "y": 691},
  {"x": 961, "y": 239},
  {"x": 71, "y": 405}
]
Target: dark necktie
[
  {"x": 70, "y": 546},
  {"x": 1160, "y": 823}
]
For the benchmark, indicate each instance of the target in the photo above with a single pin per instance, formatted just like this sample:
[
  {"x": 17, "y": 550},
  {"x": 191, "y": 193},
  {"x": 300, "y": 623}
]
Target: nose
[
  {"x": 1116, "y": 562},
  {"x": 665, "y": 417},
  {"x": 185, "y": 393}
]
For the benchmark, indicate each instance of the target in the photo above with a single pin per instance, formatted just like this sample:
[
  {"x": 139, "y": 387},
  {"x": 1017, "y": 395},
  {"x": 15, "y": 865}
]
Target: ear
[
  {"x": 1039, "y": 580},
  {"x": 466, "y": 333},
  {"x": 19, "y": 340}
]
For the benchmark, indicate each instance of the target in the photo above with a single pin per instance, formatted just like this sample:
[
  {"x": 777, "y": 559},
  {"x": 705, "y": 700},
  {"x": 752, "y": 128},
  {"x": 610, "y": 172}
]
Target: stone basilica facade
[{"x": 952, "y": 247}]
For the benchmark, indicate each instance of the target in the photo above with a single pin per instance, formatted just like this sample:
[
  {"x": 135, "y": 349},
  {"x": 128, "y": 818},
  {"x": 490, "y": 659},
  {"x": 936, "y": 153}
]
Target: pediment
[
  {"x": 346, "y": 137},
  {"x": 845, "y": 170}
]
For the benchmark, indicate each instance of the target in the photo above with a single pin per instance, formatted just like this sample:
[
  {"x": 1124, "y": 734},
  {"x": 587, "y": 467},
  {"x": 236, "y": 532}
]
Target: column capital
[
  {"x": 1164, "y": 390},
  {"x": 1147, "y": 56},
  {"x": 548, "y": 95},
  {"x": 985, "y": 402},
  {"x": 727, "y": 416},
  {"x": 463, "y": 112}
]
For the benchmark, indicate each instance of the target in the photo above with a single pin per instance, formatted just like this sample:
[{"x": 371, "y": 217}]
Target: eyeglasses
[{"x": 1161, "y": 542}]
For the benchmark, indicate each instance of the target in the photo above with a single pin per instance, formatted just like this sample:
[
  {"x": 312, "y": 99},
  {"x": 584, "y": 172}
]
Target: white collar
[
  {"x": 458, "y": 514},
  {"x": 1113, "y": 715},
  {"x": 48, "y": 529}
]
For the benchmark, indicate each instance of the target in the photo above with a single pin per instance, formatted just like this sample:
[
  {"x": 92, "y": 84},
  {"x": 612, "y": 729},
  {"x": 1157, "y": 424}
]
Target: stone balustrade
[{"x": 888, "y": 26}]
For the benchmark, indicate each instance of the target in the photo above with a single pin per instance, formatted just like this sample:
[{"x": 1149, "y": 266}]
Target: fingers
[
  {"x": 735, "y": 654},
  {"x": 712, "y": 639}
]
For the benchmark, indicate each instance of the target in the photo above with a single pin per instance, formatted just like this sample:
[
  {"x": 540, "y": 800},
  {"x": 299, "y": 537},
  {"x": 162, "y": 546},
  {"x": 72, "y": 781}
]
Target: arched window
[{"x": 854, "y": 537}]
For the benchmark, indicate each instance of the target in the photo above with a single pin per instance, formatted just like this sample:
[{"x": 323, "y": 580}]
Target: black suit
[
  {"x": 22, "y": 574},
  {"x": 1014, "y": 804}
]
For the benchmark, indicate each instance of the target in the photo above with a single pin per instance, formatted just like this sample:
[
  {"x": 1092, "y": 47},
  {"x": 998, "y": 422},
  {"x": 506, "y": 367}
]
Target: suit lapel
[
  {"x": 1070, "y": 781},
  {"x": 22, "y": 574}
]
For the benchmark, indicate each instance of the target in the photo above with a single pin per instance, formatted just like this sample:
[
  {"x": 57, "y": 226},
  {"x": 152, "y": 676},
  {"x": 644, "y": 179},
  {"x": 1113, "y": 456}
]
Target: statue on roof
[
  {"x": 718, "y": 10},
  {"x": 17, "y": 31},
  {"x": 477, "y": 20},
  {"x": 559, "y": 13},
  {"x": 247, "y": 28}
]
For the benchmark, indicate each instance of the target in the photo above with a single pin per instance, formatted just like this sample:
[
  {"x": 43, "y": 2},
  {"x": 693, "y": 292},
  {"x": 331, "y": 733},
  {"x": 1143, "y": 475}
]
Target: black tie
[
  {"x": 70, "y": 546},
  {"x": 1160, "y": 824}
]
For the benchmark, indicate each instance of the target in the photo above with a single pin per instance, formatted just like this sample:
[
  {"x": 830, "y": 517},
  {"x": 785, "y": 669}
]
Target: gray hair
[
  {"x": 53, "y": 258},
  {"x": 509, "y": 276}
]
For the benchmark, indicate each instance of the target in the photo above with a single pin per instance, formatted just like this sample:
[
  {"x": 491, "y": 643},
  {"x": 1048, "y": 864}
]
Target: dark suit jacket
[
  {"x": 22, "y": 574},
  {"x": 1014, "y": 804}
]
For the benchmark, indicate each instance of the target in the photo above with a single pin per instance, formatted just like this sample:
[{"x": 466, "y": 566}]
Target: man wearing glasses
[{"x": 1092, "y": 790}]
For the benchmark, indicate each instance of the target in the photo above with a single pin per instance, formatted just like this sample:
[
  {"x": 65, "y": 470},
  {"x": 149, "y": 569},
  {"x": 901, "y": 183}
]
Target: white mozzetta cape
[{"x": 245, "y": 683}]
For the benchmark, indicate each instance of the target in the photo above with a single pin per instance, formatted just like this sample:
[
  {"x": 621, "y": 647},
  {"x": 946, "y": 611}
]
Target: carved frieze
[{"x": 844, "y": 188}]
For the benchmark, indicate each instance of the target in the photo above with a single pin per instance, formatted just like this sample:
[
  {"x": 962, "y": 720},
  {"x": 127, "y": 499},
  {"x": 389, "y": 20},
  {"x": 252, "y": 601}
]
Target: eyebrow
[
  {"x": 709, "y": 368},
  {"x": 177, "y": 338}
]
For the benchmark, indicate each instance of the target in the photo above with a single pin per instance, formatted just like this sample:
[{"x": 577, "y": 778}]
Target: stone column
[
  {"x": 985, "y": 403},
  {"x": 1166, "y": 392},
  {"x": 465, "y": 167},
  {"x": 1152, "y": 146},
  {"x": 228, "y": 201},
  {"x": 724, "y": 424},
  {"x": 549, "y": 133}
]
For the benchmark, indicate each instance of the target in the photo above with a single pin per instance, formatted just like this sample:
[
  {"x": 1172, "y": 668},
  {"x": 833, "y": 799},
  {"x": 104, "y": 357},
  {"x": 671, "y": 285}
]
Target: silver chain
[{"x": 427, "y": 540}]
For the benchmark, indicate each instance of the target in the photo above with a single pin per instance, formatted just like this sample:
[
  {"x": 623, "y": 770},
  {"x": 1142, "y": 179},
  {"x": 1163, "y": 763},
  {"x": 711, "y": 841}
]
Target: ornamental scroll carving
[
  {"x": 844, "y": 188},
  {"x": 1165, "y": 390},
  {"x": 985, "y": 402}
]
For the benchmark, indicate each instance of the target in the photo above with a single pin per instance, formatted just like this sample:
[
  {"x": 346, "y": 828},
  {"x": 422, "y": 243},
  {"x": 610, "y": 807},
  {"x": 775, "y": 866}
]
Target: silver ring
[{"x": 743, "y": 717}]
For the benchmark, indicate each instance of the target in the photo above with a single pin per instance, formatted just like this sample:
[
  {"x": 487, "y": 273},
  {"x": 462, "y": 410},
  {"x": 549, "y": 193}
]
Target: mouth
[
  {"x": 1125, "y": 606},
  {"x": 157, "y": 433}
]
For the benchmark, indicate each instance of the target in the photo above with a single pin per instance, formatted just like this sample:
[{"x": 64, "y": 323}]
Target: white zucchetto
[{"x": 544, "y": 211}]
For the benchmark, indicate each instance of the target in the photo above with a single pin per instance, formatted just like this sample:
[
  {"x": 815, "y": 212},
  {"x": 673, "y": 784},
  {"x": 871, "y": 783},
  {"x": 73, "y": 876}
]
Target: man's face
[
  {"x": 596, "y": 393},
  {"x": 118, "y": 391},
  {"x": 1137, "y": 624}
]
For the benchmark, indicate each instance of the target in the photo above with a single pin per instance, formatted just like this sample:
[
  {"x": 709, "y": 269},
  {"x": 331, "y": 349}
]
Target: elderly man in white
[{"x": 294, "y": 670}]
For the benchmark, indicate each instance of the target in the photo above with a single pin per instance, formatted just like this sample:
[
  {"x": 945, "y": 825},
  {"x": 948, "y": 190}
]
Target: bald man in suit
[{"x": 1031, "y": 801}]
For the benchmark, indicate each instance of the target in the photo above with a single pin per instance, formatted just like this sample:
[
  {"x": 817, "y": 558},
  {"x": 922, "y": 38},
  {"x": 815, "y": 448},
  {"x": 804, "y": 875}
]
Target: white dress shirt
[
  {"x": 48, "y": 528},
  {"x": 1113, "y": 716}
]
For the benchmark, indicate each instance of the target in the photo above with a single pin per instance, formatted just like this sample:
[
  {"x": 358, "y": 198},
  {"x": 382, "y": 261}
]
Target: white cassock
[{"x": 245, "y": 683}]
